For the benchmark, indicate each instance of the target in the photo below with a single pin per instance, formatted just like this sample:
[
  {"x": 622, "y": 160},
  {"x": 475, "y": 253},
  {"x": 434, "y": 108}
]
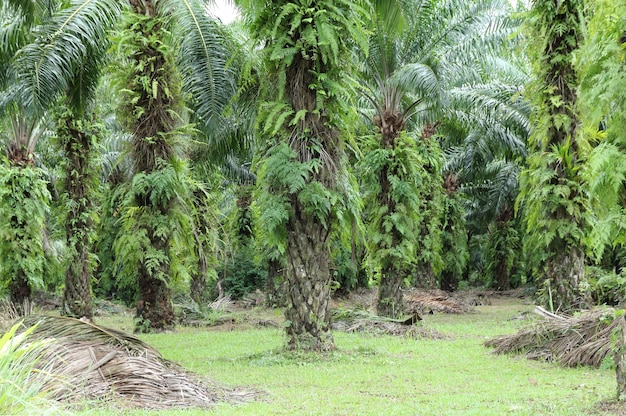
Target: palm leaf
[
  {"x": 203, "y": 61},
  {"x": 68, "y": 51}
]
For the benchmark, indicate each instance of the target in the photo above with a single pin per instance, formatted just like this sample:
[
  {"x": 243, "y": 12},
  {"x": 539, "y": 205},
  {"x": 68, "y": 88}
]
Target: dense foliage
[{"x": 311, "y": 146}]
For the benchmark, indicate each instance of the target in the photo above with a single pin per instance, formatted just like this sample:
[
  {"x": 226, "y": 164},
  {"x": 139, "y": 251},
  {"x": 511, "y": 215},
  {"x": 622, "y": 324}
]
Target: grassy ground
[{"x": 384, "y": 375}]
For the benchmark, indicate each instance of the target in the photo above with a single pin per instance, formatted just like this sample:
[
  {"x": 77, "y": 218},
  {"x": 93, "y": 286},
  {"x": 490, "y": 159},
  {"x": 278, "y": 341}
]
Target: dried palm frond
[
  {"x": 89, "y": 362},
  {"x": 354, "y": 320},
  {"x": 578, "y": 340},
  {"x": 9, "y": 312},
  {"x": 427, "y": 301},
  {"x": 222, "y": 303}
]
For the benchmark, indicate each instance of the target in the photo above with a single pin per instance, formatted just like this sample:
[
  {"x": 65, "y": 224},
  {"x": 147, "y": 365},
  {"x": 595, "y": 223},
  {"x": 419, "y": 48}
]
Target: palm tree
[
  {"x": 154, "y": 114},
  {"x": 303, "y": 115},
  {"x": 25, "y": 199},
  {"x": 602, "y": 105},
  {"x": 551, "y": 185},
  {"x": 77, "y": 137},
  {"x": 487, "y": 153},
  {"x": 409, "y": 77}
]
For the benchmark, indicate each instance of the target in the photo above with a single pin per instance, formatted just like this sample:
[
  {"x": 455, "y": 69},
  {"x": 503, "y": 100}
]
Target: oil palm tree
[
  {"x": 303, "y": 114},
  {"x": 551, "y": 187},
  {"x": 409, "y": 76},
  {"x": 602, "y": 107},
  {"x": 25, "y": 197},
  {"x": 170, "y": 46},
  {"x": 486, "y": 148}
]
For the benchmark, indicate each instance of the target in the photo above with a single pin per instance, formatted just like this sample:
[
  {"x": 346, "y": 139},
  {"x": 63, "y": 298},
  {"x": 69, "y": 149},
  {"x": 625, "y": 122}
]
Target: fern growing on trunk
[
  {"x": 303, "y": 114},
  {"x": 551, "y": 186},
  {"x": 78, "y": 137}
]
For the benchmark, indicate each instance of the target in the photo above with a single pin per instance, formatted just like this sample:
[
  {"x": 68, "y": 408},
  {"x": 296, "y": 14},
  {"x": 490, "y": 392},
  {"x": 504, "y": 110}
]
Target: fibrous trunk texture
[
  {"x": 425, "y": 276},
  {"x": 152, "y": 154},
  {"x": 564, "y": 272},
  {"x": 565, "y": 263},
  {"x": 308, "y": 284},
  {"x": 157, "y": 301},
  {"x": 391, "y": 124}
]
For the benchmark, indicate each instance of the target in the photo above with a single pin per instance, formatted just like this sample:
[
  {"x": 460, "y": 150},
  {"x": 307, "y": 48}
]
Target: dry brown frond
[
  {"x": 347, "y": 320},
  {"x": 427, "y": 301},
  {"x": 9, "y": 312},
  {"x": 89, "y": 362},
  {"x": 222, "y": 303},
  {"x": 578, "y": 340}
]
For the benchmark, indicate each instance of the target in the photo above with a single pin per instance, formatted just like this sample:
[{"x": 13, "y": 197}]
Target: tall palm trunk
[
  {"x": 77, "y": 146},
  {"x": 390, "y": 295},
  {"x": 308, "y": 274},
  {"x": 24, "y": 202},
  {"x": 19, "y": 286},
  {"x": 556, "y": 157},
  {"x": 454, "y": 236},
  {"x": 152, "y": 154}
]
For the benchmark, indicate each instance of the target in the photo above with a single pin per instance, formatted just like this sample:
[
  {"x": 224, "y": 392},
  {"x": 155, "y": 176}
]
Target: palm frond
[
  {"x": 68, "y": 51},
  {"x": 420, "y": 78},
  {"x": 571, "y": 341},
  {"x": 203, "y": 61},
  {"x": 84, "y": 361}
]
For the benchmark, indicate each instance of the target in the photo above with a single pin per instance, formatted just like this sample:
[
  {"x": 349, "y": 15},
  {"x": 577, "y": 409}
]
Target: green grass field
[{"x": 384, "y": 375}]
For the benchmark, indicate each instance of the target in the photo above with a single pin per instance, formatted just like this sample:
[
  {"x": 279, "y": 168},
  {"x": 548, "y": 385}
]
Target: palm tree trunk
[
  {"x": 152, "y": 154},
  {"x": 197, "y": 286},
  {"x": 158, "y": 312},
  {"x": 502, "y": 267},
  {"x": 308, "y": 279},
  {"x": 425, "y": 276},
  {"x": 564, "y": 272},
  {"x": 274, "y": 295},
  {"x": 77, "y": 148},
  {"x": 390, "y": 294},
  {"x": 20, "y": 292},
  {"x": 24, "y": 238}
]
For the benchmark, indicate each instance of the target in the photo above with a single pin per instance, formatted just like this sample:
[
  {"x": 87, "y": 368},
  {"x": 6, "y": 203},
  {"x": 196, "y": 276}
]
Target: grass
[{"x": 375, "y": 375}]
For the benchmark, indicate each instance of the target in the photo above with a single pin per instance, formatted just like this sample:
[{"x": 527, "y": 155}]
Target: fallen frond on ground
[
  {"x": 437, "y": 301},
  {"x": 584, "y": 339},
  {"x": 85, "y": 362},
  {"x": 355, "y": 320}
]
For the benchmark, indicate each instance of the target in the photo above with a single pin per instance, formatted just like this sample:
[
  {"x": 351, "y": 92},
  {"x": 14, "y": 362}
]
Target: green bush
[
  {"x": 242, "y": 275},
  {"x": 21, "y": 387},
  {"x": 607, "y": 287}
]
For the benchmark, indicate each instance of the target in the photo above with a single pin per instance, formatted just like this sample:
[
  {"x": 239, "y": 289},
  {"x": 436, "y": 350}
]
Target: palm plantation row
[{"x": 336, "y": 143}]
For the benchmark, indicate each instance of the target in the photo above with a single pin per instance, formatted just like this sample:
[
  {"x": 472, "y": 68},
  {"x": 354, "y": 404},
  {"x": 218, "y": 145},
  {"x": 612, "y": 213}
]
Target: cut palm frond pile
[
  {"x": 354, "y": 320},
  {"x": 585, "y": 339},
  {"x": 436, "y": 301},
  {"x": 89, "y": 362}
]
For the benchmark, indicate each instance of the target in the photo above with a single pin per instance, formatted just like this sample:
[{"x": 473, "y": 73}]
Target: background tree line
[{"x": 153, "y": 153}]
